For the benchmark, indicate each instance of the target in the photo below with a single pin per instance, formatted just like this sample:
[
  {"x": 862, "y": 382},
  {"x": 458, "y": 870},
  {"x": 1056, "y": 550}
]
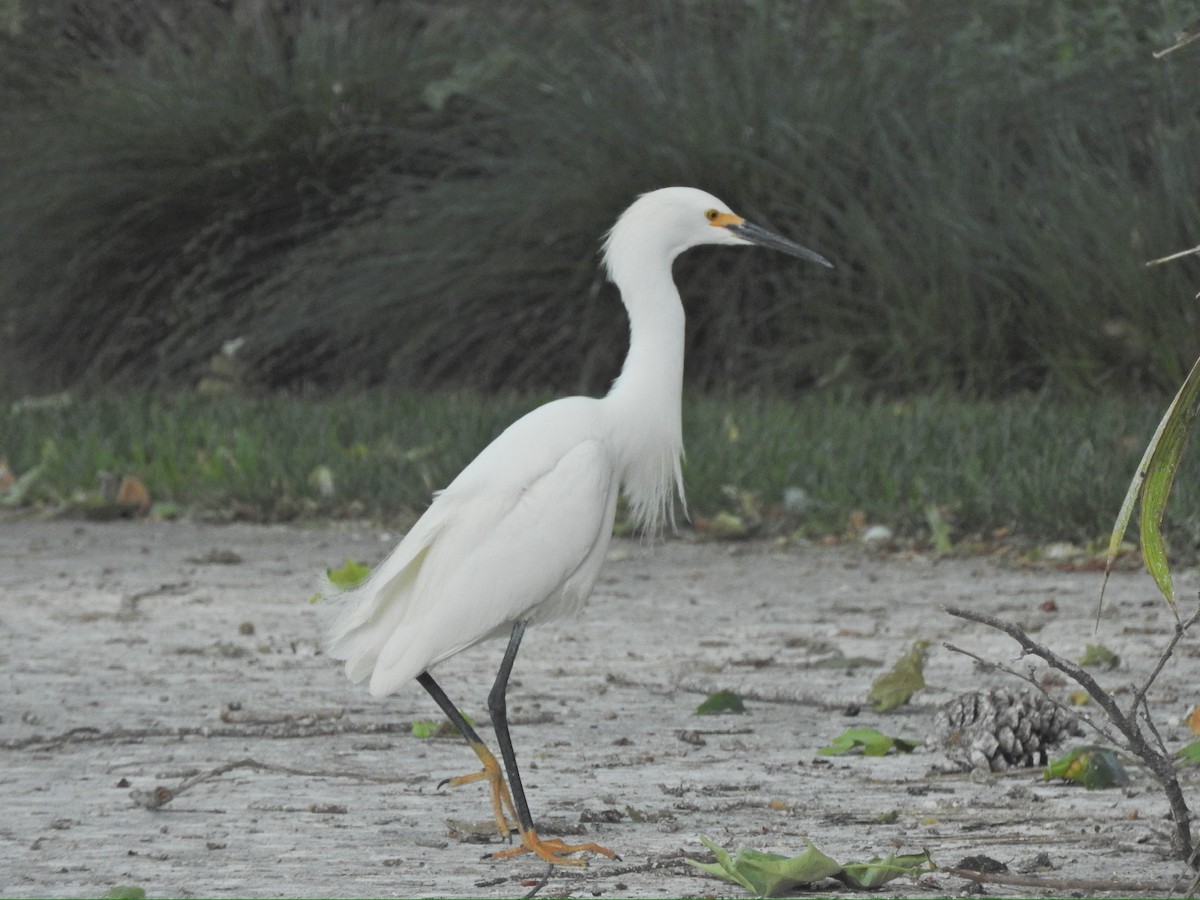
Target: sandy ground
[{"x": 136, "y": 657}]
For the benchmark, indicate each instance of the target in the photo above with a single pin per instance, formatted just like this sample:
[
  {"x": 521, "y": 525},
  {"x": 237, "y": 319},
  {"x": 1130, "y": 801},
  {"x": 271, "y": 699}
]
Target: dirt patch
[{"x": 137, "y": 658}]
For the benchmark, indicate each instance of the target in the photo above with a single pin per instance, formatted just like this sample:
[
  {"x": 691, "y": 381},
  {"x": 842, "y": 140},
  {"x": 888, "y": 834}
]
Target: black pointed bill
[{"x": 755, "y": 235}]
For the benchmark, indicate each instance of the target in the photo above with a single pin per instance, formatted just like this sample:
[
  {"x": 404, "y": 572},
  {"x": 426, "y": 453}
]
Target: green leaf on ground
[
  {"x": 774, "y": 875},
  {"x": 872, "y": 741},
  {"x": 1093, "y": 767},
  {"x": 769, "y": 874},
  {"x": 350, "y": 575},
  {"x": 877, "y": 872},
  {"x": 721, "y": 702},
  {"x": 895, "y": 688},
  {"x": 427, "y": 728},
  {"x": 1151, "y": 485},
  {"x": 1190, "y": 753},
  {"x": 1099, "y": 656}
]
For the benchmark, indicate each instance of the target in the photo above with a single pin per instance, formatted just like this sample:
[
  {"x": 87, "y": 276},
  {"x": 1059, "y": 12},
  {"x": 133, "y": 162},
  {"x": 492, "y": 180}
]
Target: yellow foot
[
  {"x": 553, "y": 850},
  {"x": 501, "y": 798}
]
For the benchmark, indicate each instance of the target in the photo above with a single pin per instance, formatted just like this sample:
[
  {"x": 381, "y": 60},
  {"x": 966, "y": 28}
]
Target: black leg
[
  {"x": 451, "y": 711},
  {"x": 498, "y": 707},
  {"x": 506, "y": 798},
  {"x": 501, "y": 798}
]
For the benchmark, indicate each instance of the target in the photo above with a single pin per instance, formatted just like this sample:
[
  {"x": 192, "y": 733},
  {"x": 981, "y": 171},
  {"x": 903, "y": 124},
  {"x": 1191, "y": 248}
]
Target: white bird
[{"x": 519, "y": 536}]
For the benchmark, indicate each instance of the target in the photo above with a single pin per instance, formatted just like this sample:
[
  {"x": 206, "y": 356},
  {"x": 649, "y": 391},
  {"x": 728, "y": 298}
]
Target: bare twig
[
  {"x": 1162, "y": 747},
  {"x": 162, "y": 795},
  {"x": 1180, "y": 627},
  {"x": 249, "y": 763},
  {"x": 1159, "y": 763},
  {"x": 296, "y": 727},
  {"x": 541, "y": 884},
  {"x": 675, "y": 860},
  {"x": 1061, "y": 884},
  {"x": 1183, "y": 37},
  {"x": 1173, "y": 256},
  {"x": 1191, "y": 891}
]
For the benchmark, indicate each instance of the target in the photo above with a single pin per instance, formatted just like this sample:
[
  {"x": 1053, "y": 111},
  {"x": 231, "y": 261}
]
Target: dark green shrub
[{"x": 988, "y": 178}]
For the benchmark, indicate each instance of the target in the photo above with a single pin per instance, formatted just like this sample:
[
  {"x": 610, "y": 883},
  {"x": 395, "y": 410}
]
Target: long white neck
[{"x": 645, "y": 400}]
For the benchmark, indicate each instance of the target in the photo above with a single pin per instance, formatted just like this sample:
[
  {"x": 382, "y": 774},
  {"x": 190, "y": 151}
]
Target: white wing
[{"x": 519, "y": 535}]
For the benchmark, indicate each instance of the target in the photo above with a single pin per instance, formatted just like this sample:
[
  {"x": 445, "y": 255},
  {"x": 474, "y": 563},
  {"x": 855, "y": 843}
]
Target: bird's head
[{"x": 666, "y": 222}]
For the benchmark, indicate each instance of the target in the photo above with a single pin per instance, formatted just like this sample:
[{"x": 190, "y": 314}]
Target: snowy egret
[{"x": 518, "y": 537}]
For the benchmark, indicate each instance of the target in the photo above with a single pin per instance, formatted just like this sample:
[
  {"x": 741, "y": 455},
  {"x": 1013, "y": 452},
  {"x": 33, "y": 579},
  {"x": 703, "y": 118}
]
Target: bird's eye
[{"x": 711, "y": 215}]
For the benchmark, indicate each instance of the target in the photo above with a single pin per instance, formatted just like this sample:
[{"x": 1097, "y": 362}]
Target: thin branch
[
  {"x": 296, "y": 727},
  {"x": 1061, "y": 884},
  {"x": 162, "y": 795},
  {"x": 669, "y": 861},
  {"x": 541, "y": 884},
  {"x": 1173, "y": 256},
  {"x": 1028, "y": 677},
  {"x": 249, "y": 763},
  {"x": 1162, "y": 747},
  {"x": 1102, "y": 697},
  {"x": 1160, "y": 764},
  {"x": 1180, "y": 627},
  {"x": 1182, "y": 39},
  {"x": 1191, "y": 891}
]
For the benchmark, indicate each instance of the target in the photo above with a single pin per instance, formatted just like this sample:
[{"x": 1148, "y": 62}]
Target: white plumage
[{"x": 519, "y": 536}]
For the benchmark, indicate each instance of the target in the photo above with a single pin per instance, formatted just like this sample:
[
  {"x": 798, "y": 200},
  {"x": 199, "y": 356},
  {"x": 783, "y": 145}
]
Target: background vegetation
[
  {"x": 413, "y": 193},
  {"x": 939, "y": 470},
  {"x": 408, "y": 197}
]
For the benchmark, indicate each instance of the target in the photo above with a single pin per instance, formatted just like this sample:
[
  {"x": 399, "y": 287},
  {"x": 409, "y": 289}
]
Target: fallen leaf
[
  {"x": 1099, "y": 656},
  {"x": 349, "y": 575},
  {"x": 872, "y": 741},
  {"x": 896, "y": 687},
  {"x": 877, "y": 872},
  {"x": 1190, "y": 753},
  {"x": 774, "y": 875},
  {"x": 721, "y": 702},
  {"x": 428, "y": 728},
  {"x": 769, "y": 874},
  {"x": 133, "y": 495},
  {"x": 1093, "y": 767}
]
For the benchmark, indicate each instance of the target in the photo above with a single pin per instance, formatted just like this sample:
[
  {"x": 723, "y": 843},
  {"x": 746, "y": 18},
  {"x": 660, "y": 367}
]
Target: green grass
[{"x": 1044, "y": 470}]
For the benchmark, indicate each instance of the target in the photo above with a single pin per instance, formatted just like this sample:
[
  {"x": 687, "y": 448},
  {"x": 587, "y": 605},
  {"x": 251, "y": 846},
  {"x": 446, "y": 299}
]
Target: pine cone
[{"x": 998, "y": 728}]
